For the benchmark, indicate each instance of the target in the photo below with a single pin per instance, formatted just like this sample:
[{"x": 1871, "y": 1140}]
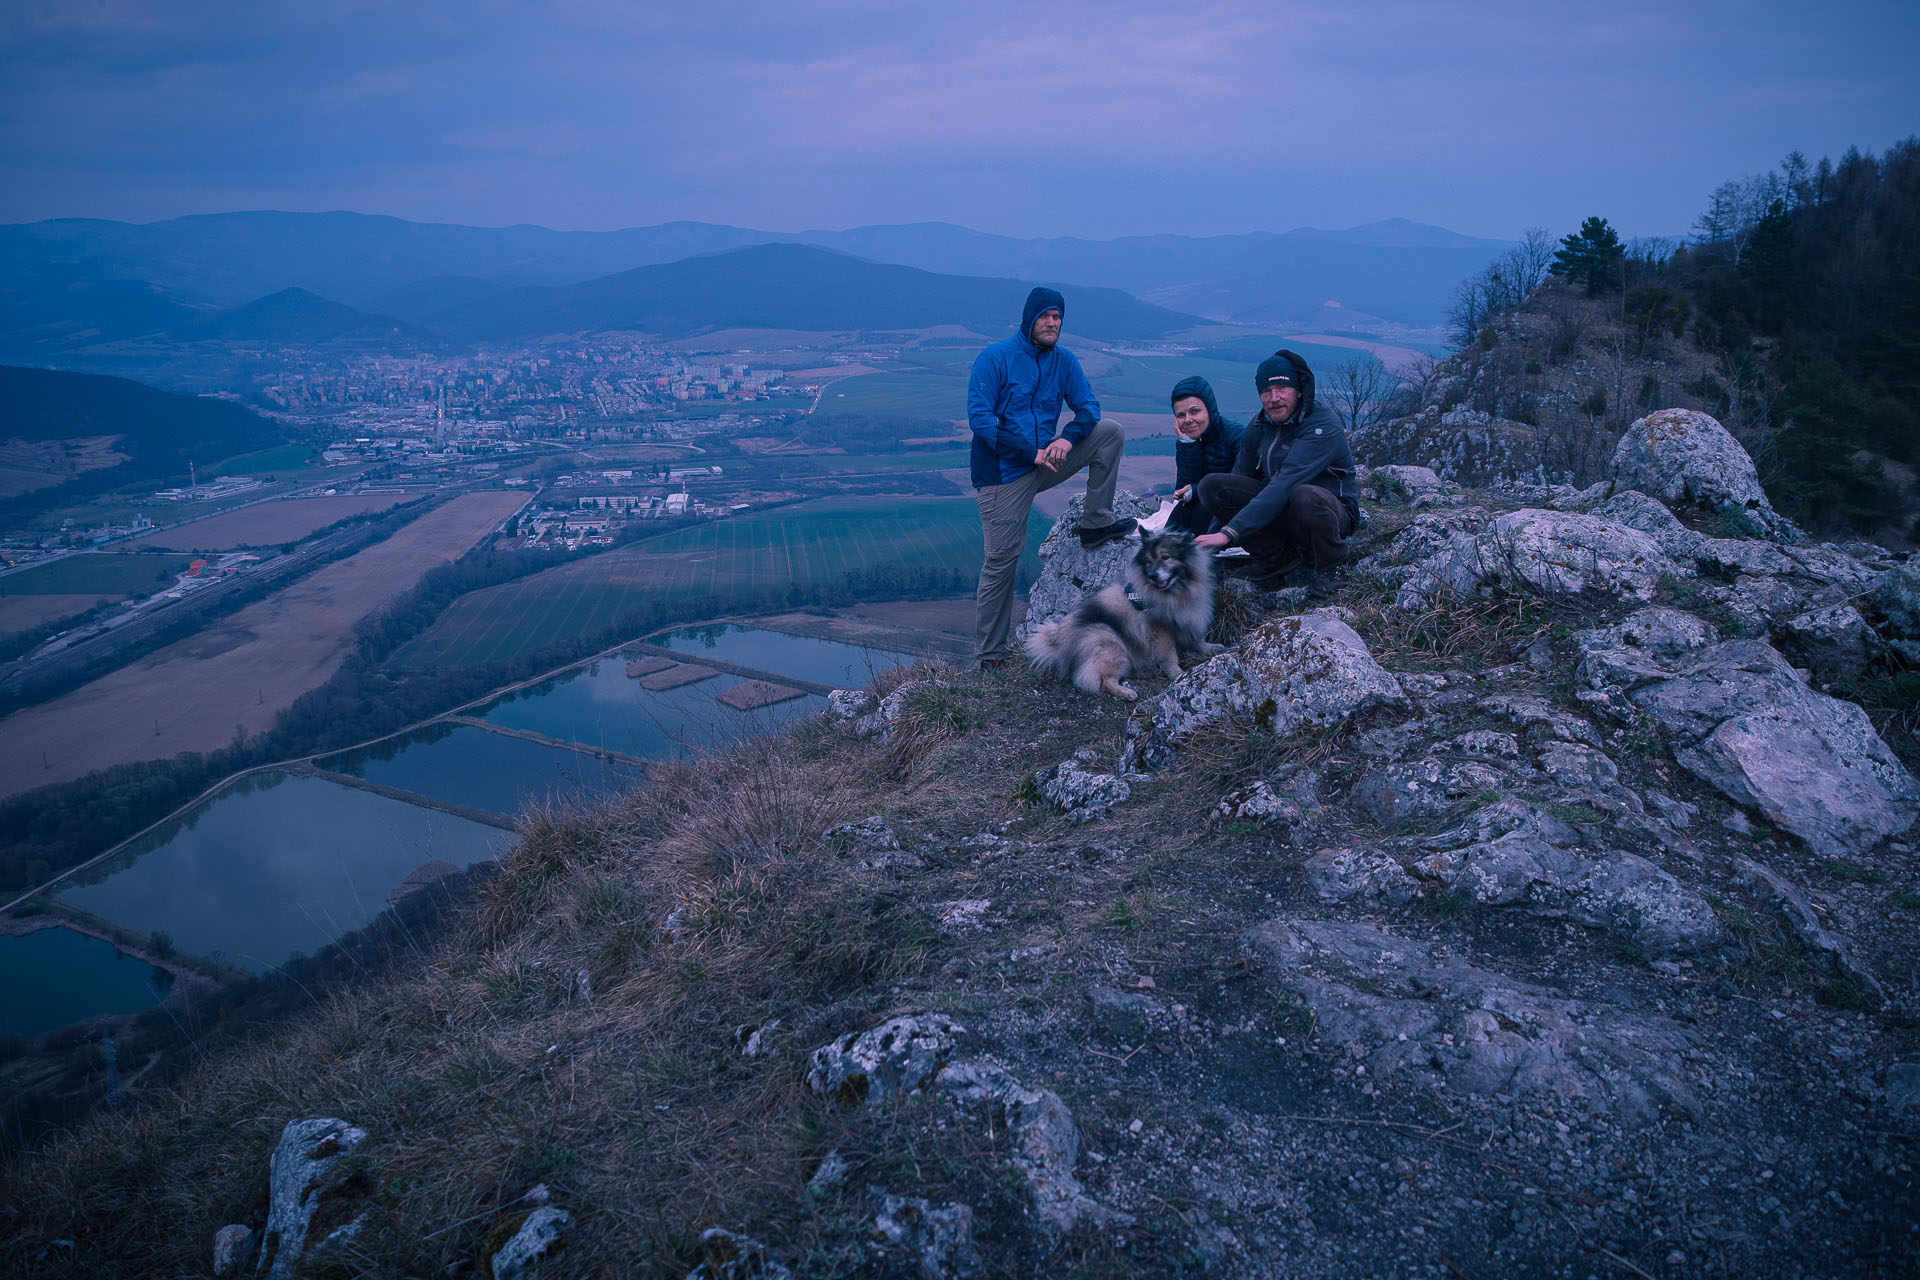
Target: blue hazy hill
[{"x": 1398, "y": 270}]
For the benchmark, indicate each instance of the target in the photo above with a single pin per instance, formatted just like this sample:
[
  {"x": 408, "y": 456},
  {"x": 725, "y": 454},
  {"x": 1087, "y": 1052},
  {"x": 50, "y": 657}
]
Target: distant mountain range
[{"x": 1398, "y": 270}]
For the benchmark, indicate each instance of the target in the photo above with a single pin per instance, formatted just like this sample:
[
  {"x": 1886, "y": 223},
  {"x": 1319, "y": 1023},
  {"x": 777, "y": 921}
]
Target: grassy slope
[{"x": 103, "y": 573}]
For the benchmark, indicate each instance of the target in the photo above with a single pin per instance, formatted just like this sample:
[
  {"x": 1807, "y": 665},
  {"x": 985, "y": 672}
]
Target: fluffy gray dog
[{"x": 1164, "y": 606}]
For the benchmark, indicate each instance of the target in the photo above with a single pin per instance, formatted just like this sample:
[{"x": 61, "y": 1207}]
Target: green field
[
  {"x": 940, "y": 395},
  {"x": 279, "y": 460},
  {"x": 746, "y": 563},
  {"x": 98, "y": 574}
]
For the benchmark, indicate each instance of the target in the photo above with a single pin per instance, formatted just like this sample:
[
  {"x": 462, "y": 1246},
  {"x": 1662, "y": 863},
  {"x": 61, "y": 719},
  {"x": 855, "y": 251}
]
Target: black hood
[{"x": 1041, "y": 299}]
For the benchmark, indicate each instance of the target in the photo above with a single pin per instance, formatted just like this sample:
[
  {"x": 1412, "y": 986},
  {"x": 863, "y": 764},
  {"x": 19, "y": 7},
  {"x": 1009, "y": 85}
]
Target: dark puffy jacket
[
  {"x": 1014, "y": 397},
  {"x": 1217, "y": 446},
  {"x": 1308, "y": 448}
]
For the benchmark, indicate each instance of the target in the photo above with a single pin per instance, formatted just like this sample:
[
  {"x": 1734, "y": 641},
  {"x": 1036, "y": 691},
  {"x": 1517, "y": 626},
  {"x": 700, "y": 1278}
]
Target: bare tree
[
  {"x": 1361, "y": 391},
  {"x": 1528, "y": 261}
]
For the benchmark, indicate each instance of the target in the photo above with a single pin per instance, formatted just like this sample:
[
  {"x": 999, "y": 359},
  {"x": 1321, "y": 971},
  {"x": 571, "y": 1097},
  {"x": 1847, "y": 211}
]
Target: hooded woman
[{"x": 1205, "y": 444}]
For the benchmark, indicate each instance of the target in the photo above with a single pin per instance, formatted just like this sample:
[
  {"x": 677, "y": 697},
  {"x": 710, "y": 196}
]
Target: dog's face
[{"x": 1165, "y": 559}]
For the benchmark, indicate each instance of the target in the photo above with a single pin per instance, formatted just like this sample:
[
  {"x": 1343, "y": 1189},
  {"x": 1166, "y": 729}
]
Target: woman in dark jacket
[{"x": 1205, "y": 444}]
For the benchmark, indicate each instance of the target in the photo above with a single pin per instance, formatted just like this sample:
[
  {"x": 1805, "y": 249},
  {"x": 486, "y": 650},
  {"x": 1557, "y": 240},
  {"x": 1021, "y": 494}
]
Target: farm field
[
  {"x": 18, "y": 613},
  {"x": 719, "y": 568},
  {"x": 268, "y": 524},
  {"x": 98, "y": 573},
  {"x": 198, "y": 693}
]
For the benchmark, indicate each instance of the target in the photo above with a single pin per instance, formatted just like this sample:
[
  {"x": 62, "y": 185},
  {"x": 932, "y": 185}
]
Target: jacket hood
[
  {"x": 1040, "y": 300},
  {"x": 1305, "y": 376},
  {"x": 1198, "y": 386}
]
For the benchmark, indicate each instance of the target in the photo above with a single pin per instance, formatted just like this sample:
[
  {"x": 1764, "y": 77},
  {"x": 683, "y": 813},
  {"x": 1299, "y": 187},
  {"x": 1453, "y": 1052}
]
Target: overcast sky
[{"x": 1057, "y": 118}]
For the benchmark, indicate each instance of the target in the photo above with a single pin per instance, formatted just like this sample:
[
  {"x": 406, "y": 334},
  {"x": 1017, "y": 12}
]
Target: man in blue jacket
[
  {"x": 1206, "y": 444},
  {"x": 1293, "y": 494},
  {"x": 1013, "y": 406}
]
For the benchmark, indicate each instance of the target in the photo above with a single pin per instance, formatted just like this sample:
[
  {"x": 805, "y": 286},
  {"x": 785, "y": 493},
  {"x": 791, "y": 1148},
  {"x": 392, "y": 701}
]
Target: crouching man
[
  {"x": 1293, "y": 495},
  {"x": 1206, "y": 444},
  {"x": 1013, "y": 405}
]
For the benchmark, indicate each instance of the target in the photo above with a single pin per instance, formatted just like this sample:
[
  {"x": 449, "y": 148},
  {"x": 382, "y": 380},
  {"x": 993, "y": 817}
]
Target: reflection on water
[
  {"x": 830, "y": 662},
  {"x": 481, "y": 770},
  {"x": 52, "y": 977},
  {"x": 600, "y": 706},
  {"x": 284, "y": 868}
]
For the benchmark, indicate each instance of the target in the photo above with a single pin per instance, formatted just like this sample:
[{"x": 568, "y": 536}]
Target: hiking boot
[
  {"x": 1091, "y": 538},
  {"x": 1325, "y": 584}
]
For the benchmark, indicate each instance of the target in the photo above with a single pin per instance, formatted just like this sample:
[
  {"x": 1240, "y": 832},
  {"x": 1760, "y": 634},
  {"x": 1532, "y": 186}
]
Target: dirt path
[{"x": 236, "y": 676}]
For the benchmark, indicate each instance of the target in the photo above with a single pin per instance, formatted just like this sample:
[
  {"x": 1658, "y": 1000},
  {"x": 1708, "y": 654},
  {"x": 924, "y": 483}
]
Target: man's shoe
[
  {"x": 1326, "y": 583},
  {"x": 1091, "y": 538}
]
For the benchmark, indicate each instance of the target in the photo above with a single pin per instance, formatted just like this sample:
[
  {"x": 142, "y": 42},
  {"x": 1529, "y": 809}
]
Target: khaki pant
[{"x": 1003, "y": 522}]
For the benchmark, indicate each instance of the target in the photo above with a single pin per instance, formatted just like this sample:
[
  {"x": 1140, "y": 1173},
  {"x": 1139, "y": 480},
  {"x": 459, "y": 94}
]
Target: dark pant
[
  {"x": 1314, "y": 523},
  {"x": 1190, "y": 516}
]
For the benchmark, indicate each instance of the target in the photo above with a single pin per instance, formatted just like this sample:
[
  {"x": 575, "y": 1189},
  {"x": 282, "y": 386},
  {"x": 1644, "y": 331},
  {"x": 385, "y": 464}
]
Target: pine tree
[{"x": 1592, "y": 255}]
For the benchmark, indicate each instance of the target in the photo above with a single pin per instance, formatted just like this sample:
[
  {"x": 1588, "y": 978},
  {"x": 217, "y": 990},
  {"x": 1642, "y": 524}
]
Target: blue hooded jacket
[{"x": 1014, "y": 397}]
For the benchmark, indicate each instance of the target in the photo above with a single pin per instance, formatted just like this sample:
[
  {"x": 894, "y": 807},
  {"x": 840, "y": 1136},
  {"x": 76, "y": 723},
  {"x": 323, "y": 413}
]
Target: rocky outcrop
[
  {"x": 1077, "y": 791},
  {"x": 538, "y": 1237},
  {"x": 898, "y": 1057},
  {"x": 1543, "y": 553},
  {"x": 1403, "y": 1011},
  {"x": 1310, "y": 671},
  {"x": 1740, "y": 719},
  {"x": 1683, "y": 456},
  {"x": 1069, "y": 571},
  {"x": 939, "y": 1238},
  {"x": 1461, "y": 445},
  {"x": 303, "y": 1172},
  {"x": 1046, "y": 1143}
]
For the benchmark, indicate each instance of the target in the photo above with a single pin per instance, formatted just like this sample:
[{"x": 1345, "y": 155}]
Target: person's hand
[
  {"x": 1213, "y": 541},
  {"x": 1051, "y": 456},
  {"x": 1180, "y": 494}
]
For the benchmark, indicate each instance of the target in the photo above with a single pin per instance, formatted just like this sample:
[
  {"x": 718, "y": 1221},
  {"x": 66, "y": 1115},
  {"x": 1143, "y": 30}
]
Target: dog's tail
[{"x": 1050, "y": 647}]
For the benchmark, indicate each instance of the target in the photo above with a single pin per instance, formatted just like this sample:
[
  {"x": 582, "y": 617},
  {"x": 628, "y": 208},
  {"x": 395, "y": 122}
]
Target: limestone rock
[
  {"x": 1742, "y": 721},
  {"x": 301, "y": 1174},
  {"x": 845, "y": 705},
  {"x": 233, "y": 1247},
  {"x": 1424, "y": 788},
  {"x": 1573, "y": 765},
  {"x": 879, "y": 724},
  {"x": 939, "y": 1238},
  {"x": 1785, "y": 900},
  {"x": 1308, "y": 671},
  {"x": 1079, "y": 793},
  {"x": 1045, "y": 1140},
  {"x": 893, "y": 1059},
  {"x": 1364, "y": 874},
  {"x": 728, "y": 1255},
  {"x": 1679, "y": 455},
  {"x": 1411, "y": 1013},
  {"x": 1543, "y": 553},
  {"x": 1068, "y": 571},
  {"x": 1401, "y": 483},
  {"x": 521, "y": 1256},
  {"x": 1258, "y": 804},
  {"x": 832, "y": 1172},
  {"x": 1896, "y": 593},
  {"x": 871, "y": 843},
  {"x": 1515, "y": 854},
  {"x": 1835, "y": 642},
  {"x": 1636, "y": 510}
]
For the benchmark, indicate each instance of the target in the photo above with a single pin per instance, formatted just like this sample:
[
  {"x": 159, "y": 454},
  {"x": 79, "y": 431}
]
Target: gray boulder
[
  {"x": 1408, "y": 1013},
  {"x": 1896, "y": 593},
  {"x": 1363, "y": 875},
  {"x": 938, "y": 1237},
  {"x": 1539, "y": 552},
  {"x": 1078, "y": 792},
  {"x": 1789, "y": 904},
  {"x": 1401, "y": 483},
  {"x": 304, "y": 1170},
  {"x": 1682, "y": 456},
  {"x": 1068, "y": 571},
  {"x": 1259, "y": 805},
  {"x": 1046, "y": 1144},
  {"x": 1740, "y": 719},
  {"x": 1636, "y": 510},
  {"x": 1834, "y": 642},
  {"x": 1424, "y": 788},
  {"x": 893, "y": 1059},
  {"x": 1309, "y": 671},
  {"x": 881, "y": 721},
  {"x": 1514, "y": 854},
  {"x": 520, "y": 1258},
  {"x": 233, "y": 1247}
]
